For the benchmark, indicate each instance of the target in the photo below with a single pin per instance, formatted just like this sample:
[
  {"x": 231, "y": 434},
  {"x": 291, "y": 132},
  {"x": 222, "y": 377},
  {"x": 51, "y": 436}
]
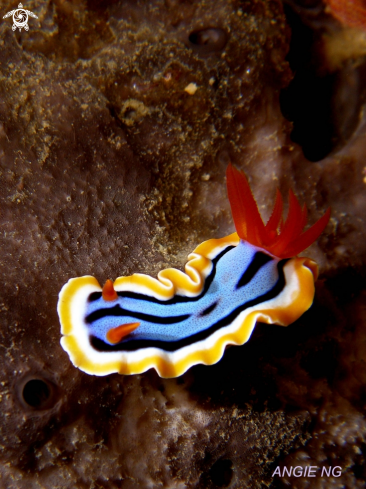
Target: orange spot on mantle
[
  {"x": 115, "y": 335},
  {"x": 108, "y": 292}
]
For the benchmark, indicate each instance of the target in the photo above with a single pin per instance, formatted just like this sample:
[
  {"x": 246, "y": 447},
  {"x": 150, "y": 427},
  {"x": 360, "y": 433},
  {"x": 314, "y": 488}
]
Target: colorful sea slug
[{"x": 183, "y": 319}]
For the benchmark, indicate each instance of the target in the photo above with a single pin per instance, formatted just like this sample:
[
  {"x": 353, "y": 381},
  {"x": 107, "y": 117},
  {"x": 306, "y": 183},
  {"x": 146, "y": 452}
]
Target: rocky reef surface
[{"x": 117, "y": 121}]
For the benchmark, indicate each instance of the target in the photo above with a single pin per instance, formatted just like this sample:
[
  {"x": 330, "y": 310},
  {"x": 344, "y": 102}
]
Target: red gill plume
[{"x": 281, "y": 239}]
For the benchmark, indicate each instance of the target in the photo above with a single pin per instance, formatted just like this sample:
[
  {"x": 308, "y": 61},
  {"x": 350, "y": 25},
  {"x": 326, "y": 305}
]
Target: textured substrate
[{"x": 117, "y": 121}]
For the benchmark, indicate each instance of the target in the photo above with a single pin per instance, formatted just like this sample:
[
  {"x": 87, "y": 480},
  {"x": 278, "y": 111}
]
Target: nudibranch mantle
[{"x": 183, "y": 319}]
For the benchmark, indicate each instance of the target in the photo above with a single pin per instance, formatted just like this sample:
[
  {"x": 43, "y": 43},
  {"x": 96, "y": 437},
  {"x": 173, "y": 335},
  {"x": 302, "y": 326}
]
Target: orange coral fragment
[
  {"x": 349, "y": 12},
  {"x": 108, "y": 292},
  {"x": 116, "y": 334},
  {"x": 283, "y": 240}
]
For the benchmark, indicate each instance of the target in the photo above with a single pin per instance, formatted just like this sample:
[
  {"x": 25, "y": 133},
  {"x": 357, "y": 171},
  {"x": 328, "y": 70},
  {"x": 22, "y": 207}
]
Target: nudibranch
[{"x": 183, "y": 319}]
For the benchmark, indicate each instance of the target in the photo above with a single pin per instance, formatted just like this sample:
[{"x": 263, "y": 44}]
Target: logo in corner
[{"x": 20, "y": 18}]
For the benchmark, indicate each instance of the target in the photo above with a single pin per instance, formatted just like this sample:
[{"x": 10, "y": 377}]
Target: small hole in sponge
[
  {"x": 221, "y": 472},
  {"x": 208, "y": 40},
  {"x": 36, "y": 393}
]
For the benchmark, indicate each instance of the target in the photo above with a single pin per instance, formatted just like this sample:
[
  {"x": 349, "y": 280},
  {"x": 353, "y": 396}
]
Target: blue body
[{"x": 241, "y": 276}]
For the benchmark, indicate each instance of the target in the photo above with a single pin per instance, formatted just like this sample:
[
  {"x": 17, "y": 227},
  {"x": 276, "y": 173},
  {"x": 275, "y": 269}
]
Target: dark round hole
[
  {"x": 208, "y": 40},
  {"x": 36, "y": 393},
  {"x": 221, "y": 472}
]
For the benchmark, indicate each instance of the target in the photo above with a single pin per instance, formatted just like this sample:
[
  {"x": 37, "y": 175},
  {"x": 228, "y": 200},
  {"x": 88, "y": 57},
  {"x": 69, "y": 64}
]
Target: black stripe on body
[
  {"x": 258, "y": 261},
  {"x": 177, "y": 298},
  {"x": 120, "y": 311},
  {"x": 135, "y": 344},
  {"x": 209, "y": 309},
  {"x": 94, "y": 296}
]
